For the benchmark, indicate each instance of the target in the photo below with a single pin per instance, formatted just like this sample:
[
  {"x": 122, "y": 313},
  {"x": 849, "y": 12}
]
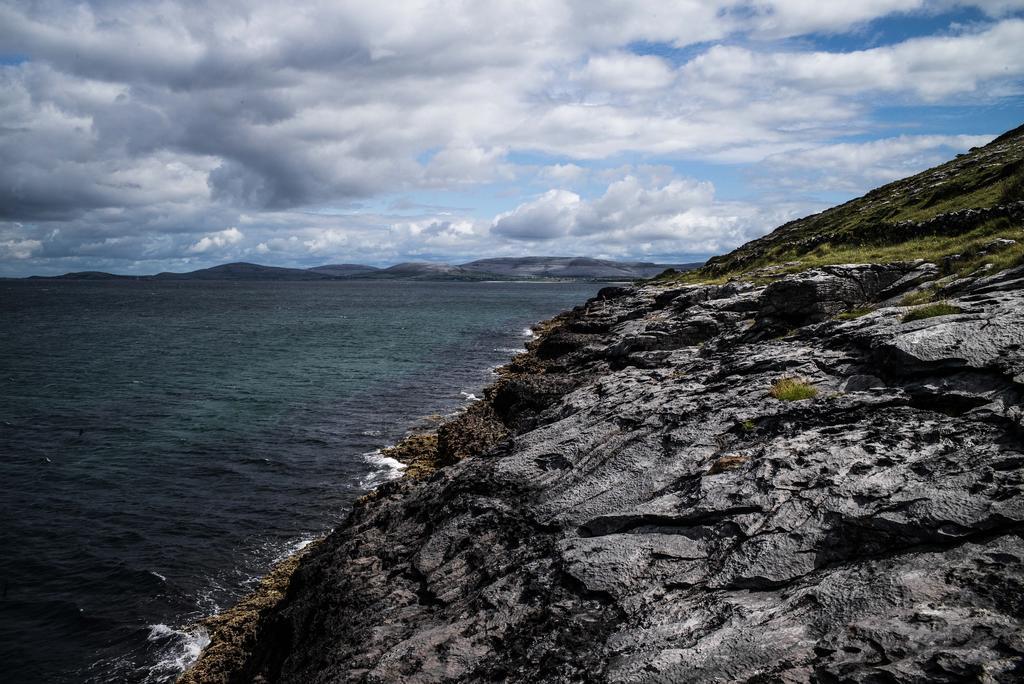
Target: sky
[{"x": 138, "y": 137}]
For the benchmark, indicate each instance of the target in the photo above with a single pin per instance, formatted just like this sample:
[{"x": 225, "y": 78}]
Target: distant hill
[
  {"x": 245, "y": 271},
  {"x": 510, "y": 268},
  {"x": 343, "y": 270},
  {"x": 88, "y": 275},
  {"x": 425, "y": 270},
  {"x": 571, "y": 267}
]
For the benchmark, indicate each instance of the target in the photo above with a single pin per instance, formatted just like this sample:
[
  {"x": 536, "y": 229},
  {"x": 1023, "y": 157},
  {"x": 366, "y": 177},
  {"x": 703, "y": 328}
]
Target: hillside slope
[
  {"x": 501, "y": 268},
  {"x": 570, "y": 267},
  {"x": 955, "y": 208},
  {"x": 244, "y": 271},
  {"x": 343, "y": 270}
]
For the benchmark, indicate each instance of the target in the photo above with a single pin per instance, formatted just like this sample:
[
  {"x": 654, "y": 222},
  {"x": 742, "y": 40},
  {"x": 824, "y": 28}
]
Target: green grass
[
  {"x": 949, "y": 200},
  {"x": 931, "y": 248},
  {"x": 1013, "y": 190},
  {"x": 793, "y": 389},
  {"x": 922, "y": 296},
  {"x": 855, "y": 313},
  {"x": 694, "y": 277},
  {"x": 931, "y": 311}
]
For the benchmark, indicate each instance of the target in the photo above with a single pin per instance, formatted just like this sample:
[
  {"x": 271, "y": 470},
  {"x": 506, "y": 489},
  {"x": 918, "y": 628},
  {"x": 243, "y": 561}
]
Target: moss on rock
[
  {"x": 234, "y": 632},
  {"x": 418, "y": 452}
]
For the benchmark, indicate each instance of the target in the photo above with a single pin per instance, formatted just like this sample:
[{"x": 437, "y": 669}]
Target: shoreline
[
  {"x": 638, "y": 497},
  {"x": 234, "y": 631}
]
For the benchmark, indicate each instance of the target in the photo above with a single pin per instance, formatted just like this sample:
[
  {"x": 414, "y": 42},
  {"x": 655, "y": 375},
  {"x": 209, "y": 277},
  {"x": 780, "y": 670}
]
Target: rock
[
  {"x": 819, "y": 294},
  {"x": 632, "y": 506},
  {"x": 860, "y": 383},
  {"x": 922, "y": 272},
  {"x": 612, "y": 292},
  {"x": 996, "y": 245}
]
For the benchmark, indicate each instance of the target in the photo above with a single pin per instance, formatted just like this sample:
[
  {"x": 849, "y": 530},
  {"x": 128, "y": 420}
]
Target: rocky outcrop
[
  {"x": 820, "y": 294},
  {"x": 647, "y": 512}
]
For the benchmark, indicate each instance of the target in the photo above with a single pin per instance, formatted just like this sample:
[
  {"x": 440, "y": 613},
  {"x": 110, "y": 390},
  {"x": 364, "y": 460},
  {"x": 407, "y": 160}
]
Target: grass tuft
[
  {"x": 931, "y": 311},
  {"x": 793, "y": 389},
  {"x": 922, "y": 296},
  {"x": 855, "y": 313}
]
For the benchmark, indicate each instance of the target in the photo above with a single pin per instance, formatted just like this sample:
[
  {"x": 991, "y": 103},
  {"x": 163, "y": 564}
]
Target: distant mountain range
[{"x": 506, "y": 268}]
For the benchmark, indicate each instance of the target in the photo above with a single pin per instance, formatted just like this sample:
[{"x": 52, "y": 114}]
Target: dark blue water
[{"x": 162, "y": 444}]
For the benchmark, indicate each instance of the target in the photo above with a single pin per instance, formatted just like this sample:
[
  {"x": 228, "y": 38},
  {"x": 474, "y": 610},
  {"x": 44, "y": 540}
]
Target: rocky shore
[{"x": 638, "y": 499}]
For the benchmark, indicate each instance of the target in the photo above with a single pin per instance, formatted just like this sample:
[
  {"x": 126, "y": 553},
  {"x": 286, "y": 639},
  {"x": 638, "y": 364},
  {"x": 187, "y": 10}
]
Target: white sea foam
[
  {"x": 299, "y": 545},
  {"x": 207, "y": 601},
  {"x": 528, "y": 332},
  {"x": 386, "y": 469},
  {"x": 377, "y": 458},
  {"x": 178, "y": 649},
  {"x": 469, "y": 396},
  {"x": 161, "y": 631},
  {"x": 292, "y": 549},
  {"x": 156, "y": 574}
]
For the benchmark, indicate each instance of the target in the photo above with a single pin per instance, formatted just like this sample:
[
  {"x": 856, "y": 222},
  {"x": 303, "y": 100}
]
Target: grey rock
[
  {"x": 860, "y": 383},
  {"x": 657, "y": 516},
  {"x": 819, "y": 294}
]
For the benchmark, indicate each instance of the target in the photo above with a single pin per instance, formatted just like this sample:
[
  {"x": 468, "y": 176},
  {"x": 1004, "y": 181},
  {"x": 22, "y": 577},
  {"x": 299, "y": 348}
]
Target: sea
[{"x": 163, "y": 444}]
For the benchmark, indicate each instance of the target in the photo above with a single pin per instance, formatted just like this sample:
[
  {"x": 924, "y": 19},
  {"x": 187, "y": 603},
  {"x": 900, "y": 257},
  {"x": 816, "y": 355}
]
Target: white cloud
[
  {"x": 790, "y": 17},
  {"x": 680, "y": 216},
  {"x": 250, "y": 114},
  {"x": 625, "y": 72},
  {"x": 460, "y": 164},
  {"x": 551, "y": 215},
  {"x": 780, "y": 18},
  {"x": 218, "y": 240},
  {"x": 856, "y": 166},
  {"x": 562, "y": 174},
  {"x": 629, "y": 205},
  {"x": 19, "y": 249},
  {"x": 930, "y": 68}
]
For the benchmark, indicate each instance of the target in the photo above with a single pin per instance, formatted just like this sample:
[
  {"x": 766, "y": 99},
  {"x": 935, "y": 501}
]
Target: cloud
[
  {"x": 250, "y": 114},
  {"x": 553, "y": 214},
  {"x": 562, "y": 173},
  {"x": 463, "y": 164},
  {"x": 930, "y": 68},
  {"x": 219, "y": 240},
  {"x": 853, "y": 166},
  {"x": 781, "y": 18},
  {"x": 625, "y": 72},
  {"x": 654, "y": 212},
  {"x": 680, "y": 216},
  {"x": 790, "y": 17},
  {"x": 19, "y": 249}
]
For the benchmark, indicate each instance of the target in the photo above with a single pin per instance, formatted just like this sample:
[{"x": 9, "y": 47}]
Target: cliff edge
[
  {"x": 650, "y": 512},
  {"x": 802, "y": 472}
]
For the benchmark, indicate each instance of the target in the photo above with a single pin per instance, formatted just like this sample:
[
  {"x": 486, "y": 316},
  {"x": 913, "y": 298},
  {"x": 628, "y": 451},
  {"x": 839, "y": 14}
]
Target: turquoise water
[{"x": 161, "y": 444}]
